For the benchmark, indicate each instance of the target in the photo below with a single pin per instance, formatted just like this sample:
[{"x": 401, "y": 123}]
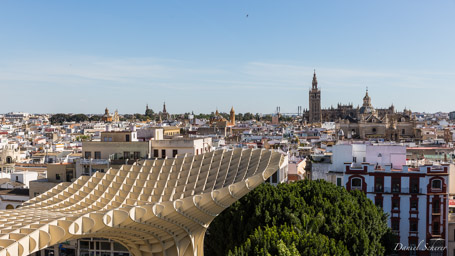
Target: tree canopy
[
  {"x": 302, "y": 218},
  {"x": 61, "y": 118}
]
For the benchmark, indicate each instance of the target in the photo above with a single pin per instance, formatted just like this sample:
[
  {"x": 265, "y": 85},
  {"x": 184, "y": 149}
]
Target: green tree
[
  {"x": 319, "y": 218},
  {"x": 79, "y": 118},
  {"x": 149, "y": 113},
  {"x": 59, "y": 118},
  {"x": 95, "y": 118}
]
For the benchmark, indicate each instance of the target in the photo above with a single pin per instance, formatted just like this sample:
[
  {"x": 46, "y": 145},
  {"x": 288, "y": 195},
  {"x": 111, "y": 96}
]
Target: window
[
  {"x": 105, "y": 246},
  {"x": 126, "y": 155},
  {"x": 356, "y": 183},
  {"x": 69, "y": 175},
  {"x": 155, "y": 153},
  {"x": 17, "y": 178},
  {"x": 137, "y": 155},
  {"x": 127, "y": 137},
  {"x": 97, "y": 155},
  {"x": 436, "y": 206},
  {"x": 413, "y": 226},
  {"x": 163, "y": 153},
  {"x": 436, "y": 228},
  {"x": 396, "y": 185},
  {"x": 436, "y": 184},
  {"x": 403, "y": 131},
  {"x": 86, "y": 170},
  {"x": 36, "y": 194},
  {"x": 413, "y": 244},
  {"x": 414, "y": 204},
  {"x": 395, "y": 225},
  {"x": 339, "y": 181},
  {"x": 88, "y": 155},
  {"x": 395, "y": 203},
  {"x": 83, "y": 245},
  {"x": 378, "y": 202},
  {"x": 354, "y": 159},
  {"x": 414, "y": 185},
  {"x": 174, "y": 152},
  {"x": 119, "y": 247},
  {"x": 57, "y": 176},
  {"x": 275, "y": 177},
  {"x": 378, "y": 187},
  {"x": 374, "y": 129}
]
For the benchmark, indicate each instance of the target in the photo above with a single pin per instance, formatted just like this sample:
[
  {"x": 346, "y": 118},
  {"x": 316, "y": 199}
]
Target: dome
[{"x": 366, "y": 108}]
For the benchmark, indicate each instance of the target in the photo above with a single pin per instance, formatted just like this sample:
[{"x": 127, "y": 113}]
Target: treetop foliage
[{"x": 302, "y": 218}]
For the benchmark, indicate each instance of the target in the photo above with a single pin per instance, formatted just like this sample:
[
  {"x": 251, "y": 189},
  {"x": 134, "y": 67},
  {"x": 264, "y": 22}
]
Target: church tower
[
  {"x": 315, "y": 102},
  {"x": 232, "y": 116}
]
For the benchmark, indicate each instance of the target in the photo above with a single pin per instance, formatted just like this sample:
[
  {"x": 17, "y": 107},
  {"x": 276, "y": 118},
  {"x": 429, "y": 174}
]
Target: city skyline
[{"x": 81, "y": 58}]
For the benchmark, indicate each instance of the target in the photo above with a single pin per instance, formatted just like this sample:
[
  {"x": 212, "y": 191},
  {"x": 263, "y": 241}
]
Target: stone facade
[
  {"x": 314, "y": 114},
  {"x": 363, "y": 122}
]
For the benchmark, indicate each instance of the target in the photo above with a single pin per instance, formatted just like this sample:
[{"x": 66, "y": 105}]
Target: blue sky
[{"x": 83, "y": 56}]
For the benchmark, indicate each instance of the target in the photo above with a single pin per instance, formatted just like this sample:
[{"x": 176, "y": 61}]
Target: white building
[
  {"x": 331, "y": 167},
  {"x": 24, "y": 177},
  {"x": 11, "y": 199},
  {"x": 416, "y": 200},
  {"x": 179, "y": 146}
]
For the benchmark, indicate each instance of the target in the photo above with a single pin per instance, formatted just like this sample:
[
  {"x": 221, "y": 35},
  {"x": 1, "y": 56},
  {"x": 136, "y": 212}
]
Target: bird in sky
[{"x": 247, "y": 15}]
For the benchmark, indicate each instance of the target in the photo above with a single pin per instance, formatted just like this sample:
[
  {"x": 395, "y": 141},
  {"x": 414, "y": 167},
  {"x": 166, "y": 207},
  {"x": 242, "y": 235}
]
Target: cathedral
[{"x": 363, "y": 122}]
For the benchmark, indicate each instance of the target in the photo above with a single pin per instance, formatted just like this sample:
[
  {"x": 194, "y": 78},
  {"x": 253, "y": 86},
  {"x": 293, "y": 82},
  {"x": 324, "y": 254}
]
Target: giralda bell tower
[{"x": 315, "y": 102}]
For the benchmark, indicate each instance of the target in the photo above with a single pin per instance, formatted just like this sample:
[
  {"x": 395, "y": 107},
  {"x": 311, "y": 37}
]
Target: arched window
[
  {"x": 374, "y": 130},
  {"x": 436, "y": 184},
  {"x": 9, "y": 160},
  {"x": 9, "y": 207},
  {"x": 356, "y": 183}
]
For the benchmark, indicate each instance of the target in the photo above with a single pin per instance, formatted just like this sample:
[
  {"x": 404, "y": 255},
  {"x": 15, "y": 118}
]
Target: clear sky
[{"x": 82, "y": 56}]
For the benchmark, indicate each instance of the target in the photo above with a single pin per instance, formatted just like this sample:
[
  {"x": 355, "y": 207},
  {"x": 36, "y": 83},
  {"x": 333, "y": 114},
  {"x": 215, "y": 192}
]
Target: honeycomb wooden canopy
[{"x": 155, "y": 207}]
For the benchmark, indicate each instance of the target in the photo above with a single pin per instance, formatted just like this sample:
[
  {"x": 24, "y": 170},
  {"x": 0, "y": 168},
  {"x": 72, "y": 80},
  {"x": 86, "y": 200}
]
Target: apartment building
[{"x": 416, "y": 200}]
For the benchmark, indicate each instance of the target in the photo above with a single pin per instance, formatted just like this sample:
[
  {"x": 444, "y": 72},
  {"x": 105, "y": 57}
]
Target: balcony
[
  {"x": 396, "y": 190},
  {"x": 85, "y": 161}
]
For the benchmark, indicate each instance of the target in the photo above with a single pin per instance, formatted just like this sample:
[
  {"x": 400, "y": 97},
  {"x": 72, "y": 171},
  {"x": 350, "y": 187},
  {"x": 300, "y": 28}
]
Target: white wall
[
  {"x": 24, "y": 177},
  {"x": 386, "y": 154},
  {"x": 341, "y": 154},
  {"x": 374, "y": 154}
]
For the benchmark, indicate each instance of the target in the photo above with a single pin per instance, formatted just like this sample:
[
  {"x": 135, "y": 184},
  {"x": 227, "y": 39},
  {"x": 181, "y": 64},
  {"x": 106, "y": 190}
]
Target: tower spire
[{"x": 315, "y": 81}]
